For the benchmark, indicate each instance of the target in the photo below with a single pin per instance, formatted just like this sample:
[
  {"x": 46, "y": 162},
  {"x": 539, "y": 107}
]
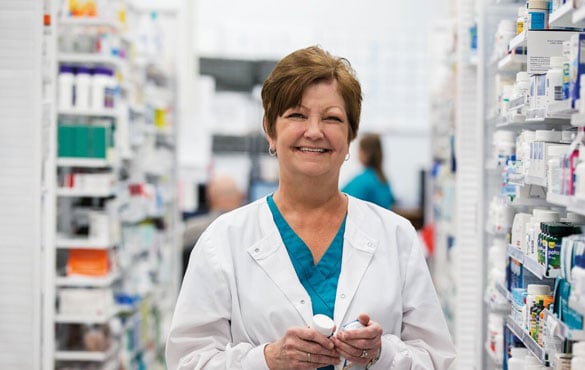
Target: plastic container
[
  {"x": 323, "y": 324},
  {"x": 102, "y": 89},
  {"x": 520, "y": 20},
  {"x": 83, "y": 82},
  {"x": 554, "y": 80},
  {"x": 66, "y": 82},
  {"x": 532, "y": 291},
  {"x": 537, "y": 14}
]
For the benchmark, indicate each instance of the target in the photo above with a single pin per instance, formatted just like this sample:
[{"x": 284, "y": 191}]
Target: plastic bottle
[
  {"x": 520, "y": 20},
  {"x": 83, "y": 82},
  {"x": 537, "y": 14},
  {"x": 532, "y": 291},
  {"x": 352, "y": 325},
  {"x": 66, "y": 81},
  {"x": 578, "y": 361},
  {"x": 323, "y": 324},
  {"x": 516, "y": 362},
  {"x": 554, "y": 80},
  {"x": 102, "y": 89}
]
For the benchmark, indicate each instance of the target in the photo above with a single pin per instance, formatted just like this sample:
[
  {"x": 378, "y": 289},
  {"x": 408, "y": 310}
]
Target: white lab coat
[{"x": 241, "y": 292}]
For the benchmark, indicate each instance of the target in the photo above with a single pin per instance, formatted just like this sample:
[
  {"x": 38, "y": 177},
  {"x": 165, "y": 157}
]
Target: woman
[
  {"x": 371, "y": 184},
  {"x": 259, "y": 273}
]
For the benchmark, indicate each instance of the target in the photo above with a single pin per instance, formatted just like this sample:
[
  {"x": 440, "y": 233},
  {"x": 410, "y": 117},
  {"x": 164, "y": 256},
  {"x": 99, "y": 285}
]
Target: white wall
[{"x": 387, "y": 42}]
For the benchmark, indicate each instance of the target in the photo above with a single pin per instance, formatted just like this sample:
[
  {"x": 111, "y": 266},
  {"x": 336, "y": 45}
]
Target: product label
[{"x": 536, "y": 20}]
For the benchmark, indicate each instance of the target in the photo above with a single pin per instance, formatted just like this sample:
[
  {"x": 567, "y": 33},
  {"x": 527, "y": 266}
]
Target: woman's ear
[{"x": 266, "y": 134}]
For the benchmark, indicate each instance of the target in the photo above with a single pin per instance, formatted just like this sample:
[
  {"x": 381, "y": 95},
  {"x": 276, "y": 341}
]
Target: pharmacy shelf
[
  {"x": 91, "y": 59},
  {"x": 563, "y": 17},
  {"x": 535, "y": 180},
  {"x": 87, "y": 281},
  {"x": 562, "y": 330},
  {"x": 84, "y": 162},
  {"x": 512, "y": 63},
  {"x": 109, "y": 113},
  {"x": 90, "y": 356},
  {"x": 528, "y": 341},
  {"x": 87, "y": 319},
  {"x": 83, "y": 243},
  {"x": 561, "y": 110},
  {"x": 531, "y": 265},
  {"x": 497, "y": 302},
  {"x": 558, "y": 199},
  {"x": 518, "y": 41},
  {"x": 577, "y": 205},
  {"x": 75, "y": 193},
  {"x": 89, "y": 22},
  {"x": 503, "y": 291},
  {"x": 578, "y": 120}
]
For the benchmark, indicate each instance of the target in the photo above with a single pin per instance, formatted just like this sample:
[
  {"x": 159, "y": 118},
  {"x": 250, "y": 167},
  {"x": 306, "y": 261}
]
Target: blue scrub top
[
  {"x": 319, "y": 280},
  {"x": 367, "y": 186}
]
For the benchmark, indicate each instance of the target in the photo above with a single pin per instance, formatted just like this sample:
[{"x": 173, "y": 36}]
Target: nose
[{"x": 313, "y": 128}]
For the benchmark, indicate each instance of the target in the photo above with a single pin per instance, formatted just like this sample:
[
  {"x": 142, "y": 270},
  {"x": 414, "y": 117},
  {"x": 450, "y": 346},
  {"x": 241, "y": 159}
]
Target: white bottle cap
[
  {"x": 574, "y": 218},
  {"x": 323, "y": 324}
]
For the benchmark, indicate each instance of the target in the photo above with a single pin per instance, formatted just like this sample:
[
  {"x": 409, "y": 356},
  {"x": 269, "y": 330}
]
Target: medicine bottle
[
  {"x": 82, "y": 87},
  {"x": 102, "y": 90},
  {"x": 537, "y": 14},
  {"x": 520, "y": 20},
  {"x": 323, "y": 324},
  {"x": 554, "y": 80},
  {"x": 578, "y": 361},
  {"x": 66, "y": 82}
]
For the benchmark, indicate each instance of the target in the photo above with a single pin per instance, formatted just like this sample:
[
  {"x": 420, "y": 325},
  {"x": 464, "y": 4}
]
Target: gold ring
[
  {"x": 364, "y": 353},
  {"x": 308, "y": 356}
]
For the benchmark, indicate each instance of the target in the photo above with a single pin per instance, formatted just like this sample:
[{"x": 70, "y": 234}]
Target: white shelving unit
[{"x": 557, "y": 116}]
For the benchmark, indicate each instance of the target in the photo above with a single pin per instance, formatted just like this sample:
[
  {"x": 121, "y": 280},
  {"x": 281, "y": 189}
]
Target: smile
[{"x": 312, "y": 150}]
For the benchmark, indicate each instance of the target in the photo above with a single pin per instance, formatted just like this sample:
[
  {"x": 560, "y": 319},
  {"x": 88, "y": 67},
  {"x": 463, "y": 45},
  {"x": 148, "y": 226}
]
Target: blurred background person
[
  {"x": 222, "y": 195},
  {"x": 371, "y": 184}
]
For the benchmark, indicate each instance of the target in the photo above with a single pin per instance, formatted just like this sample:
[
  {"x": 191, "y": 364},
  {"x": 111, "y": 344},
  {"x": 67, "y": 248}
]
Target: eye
[
  {"x": 295, "y": 115},
  {"x": 334, "y": 119}
]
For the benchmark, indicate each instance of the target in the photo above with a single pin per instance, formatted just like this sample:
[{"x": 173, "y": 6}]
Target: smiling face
[{"x": 311, "y": 140}]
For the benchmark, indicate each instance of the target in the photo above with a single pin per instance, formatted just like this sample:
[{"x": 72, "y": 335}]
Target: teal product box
[
  {"x": 84, "y": 141},
  {"x": 566, "y": 314},
  {"x": 576, "y": 66}
]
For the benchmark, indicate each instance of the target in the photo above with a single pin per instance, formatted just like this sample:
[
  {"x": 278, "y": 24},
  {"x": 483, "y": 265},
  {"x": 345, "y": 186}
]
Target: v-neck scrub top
[
  {"x": 241, "y": 292},
  {"x": 319, "y": 280}
]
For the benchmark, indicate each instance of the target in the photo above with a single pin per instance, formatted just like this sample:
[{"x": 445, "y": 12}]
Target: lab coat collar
[{"x": 358, "y": 249}]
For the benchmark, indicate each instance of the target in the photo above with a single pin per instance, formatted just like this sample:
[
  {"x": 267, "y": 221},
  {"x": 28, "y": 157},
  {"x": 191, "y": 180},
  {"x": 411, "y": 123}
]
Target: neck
[{"x": 309, "y": 196}]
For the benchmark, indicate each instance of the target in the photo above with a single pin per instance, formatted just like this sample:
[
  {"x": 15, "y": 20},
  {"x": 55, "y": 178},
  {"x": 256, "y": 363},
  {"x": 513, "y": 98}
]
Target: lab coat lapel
[
  {"x": 272, "y": 256},
  {"x": 358, "y": 251}
]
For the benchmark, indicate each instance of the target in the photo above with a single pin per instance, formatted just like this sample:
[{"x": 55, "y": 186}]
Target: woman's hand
[
  {"x": 360, "y": 346},
  {"x": 301, "y": 348}
]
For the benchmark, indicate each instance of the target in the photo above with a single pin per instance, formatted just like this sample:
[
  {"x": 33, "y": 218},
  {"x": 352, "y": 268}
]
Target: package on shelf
[
  {"x": 500, "y": 215},
  {"x": 83, "y": 87},
  {"x": 98, "y": 302},
  {"x": 102, "y": 182},
  {"x": 546, "y": 145},
  {"x": 88, "y": 262},
  {"x": 562, "y": 308},
  {"x": 103, "y": 9},
  {"x": 576, "y": 66},
  {"x": 94, "y": 139},
  {"x": 543, "y": 44}
]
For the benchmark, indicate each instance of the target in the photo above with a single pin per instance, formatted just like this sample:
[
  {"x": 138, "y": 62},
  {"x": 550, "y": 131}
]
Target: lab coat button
[
  {"x": 257, "y": 250},
  {"x": 342, "y": 296},
  {"x": 302, "y": 301},
  {"x": 369, "y": 244}
]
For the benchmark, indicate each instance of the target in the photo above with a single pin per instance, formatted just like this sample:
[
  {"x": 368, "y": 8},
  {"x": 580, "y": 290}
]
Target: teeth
[{"x": 317, "y": 150}]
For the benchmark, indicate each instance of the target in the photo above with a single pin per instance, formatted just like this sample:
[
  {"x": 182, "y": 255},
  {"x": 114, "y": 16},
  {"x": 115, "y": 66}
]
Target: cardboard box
[{"x": 543, "y": 44}]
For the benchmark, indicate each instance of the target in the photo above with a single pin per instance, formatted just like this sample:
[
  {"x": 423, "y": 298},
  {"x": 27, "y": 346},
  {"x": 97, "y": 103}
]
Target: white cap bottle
[{"x": 323, "y": 324}]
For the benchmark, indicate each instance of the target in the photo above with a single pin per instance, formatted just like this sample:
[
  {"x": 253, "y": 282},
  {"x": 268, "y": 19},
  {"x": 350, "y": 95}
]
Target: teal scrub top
[
  {"x": 367, "y": 186},
  {"x": 319, "y": 280}
]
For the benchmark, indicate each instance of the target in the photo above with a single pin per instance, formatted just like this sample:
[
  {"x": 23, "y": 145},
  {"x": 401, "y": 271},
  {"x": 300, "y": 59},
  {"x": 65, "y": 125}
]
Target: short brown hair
[{"x": 284, "y": 87}]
